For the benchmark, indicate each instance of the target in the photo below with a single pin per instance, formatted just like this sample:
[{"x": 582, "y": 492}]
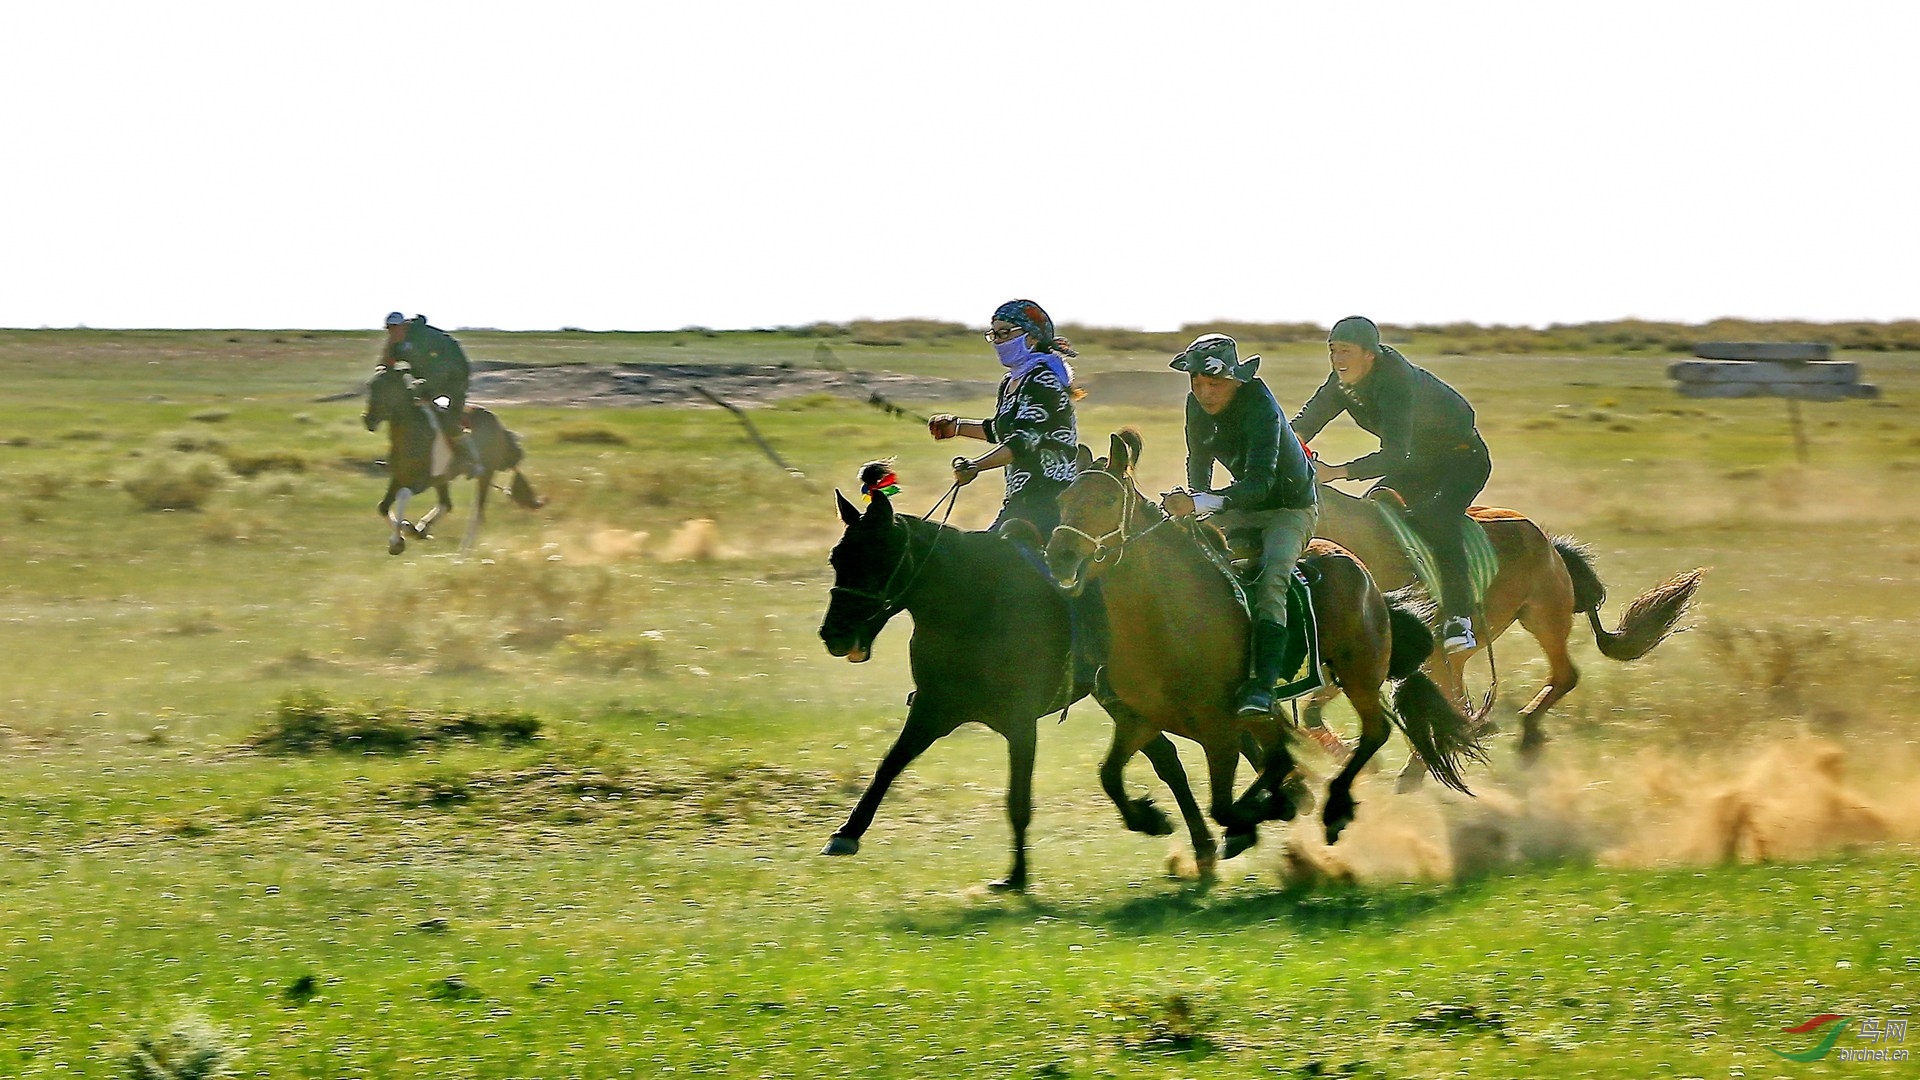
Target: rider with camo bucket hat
[
  {"x": 1032, "y": 423},
  {"x": 1233, "y": 420},
  {"x": 1431, "y": 453},
  {"x": 440, "y": 365}
]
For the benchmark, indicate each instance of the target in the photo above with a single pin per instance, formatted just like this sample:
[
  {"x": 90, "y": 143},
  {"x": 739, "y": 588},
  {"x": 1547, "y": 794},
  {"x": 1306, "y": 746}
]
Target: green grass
[{"x": 635, "y": 886}]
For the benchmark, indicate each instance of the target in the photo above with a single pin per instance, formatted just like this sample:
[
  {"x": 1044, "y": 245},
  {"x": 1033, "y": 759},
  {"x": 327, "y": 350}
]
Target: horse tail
[
  {"x": 522, "y": 493},
  {"x": 1649, "y": 619},
  {"x": 1412, "y": 638},
  {"x": 1437, "y": 731}
]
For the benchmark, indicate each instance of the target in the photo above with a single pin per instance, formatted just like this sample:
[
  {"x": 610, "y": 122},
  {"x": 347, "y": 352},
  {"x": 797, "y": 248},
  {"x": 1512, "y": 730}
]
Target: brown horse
[
  {"x": 1541, "y": 584},
  {"x": 412, "y": 468},
  {"x": 1179, "y": 651}
]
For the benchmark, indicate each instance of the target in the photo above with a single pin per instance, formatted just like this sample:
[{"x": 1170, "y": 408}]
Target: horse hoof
[
  {"x": 1409, "y": 781},
  {"x": 841, "y": 845},
  {"x": 1532, "y": 748},
  {"x": 1334, "y": 829},
  {"x": 1008, "y": 885},
  {"x": 1238, "y": 843},
  {"x": 396, "y": 546},
  {"x": 1149, "y": 819}
]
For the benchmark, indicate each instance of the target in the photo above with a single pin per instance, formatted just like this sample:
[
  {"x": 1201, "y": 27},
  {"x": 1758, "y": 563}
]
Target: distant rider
[
  {"x": 1233, "y": 420},
  {"x": 440, "y": 365},
  {"x": 1431, "y": 454}
]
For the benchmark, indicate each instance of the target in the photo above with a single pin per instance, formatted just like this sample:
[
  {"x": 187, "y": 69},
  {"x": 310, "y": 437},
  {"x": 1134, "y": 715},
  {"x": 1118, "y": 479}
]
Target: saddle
[{"x": 1482, "y": 562}]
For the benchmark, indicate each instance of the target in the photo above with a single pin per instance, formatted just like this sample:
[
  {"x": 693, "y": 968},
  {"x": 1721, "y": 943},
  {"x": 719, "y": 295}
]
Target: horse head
[
  {"x": 869, "y": 565},
  {"x": 1096, "y": 514},
  {"x": 389, "y": 392}
]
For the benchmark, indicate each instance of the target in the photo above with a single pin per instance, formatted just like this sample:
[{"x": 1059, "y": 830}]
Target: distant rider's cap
[
  {"x": 394, "y": 318},
  {"x": 1217, "y": 356},
  {"x": 1356, "y": 330}
]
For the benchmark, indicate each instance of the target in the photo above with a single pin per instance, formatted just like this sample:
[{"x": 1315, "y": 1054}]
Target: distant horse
[
  {"x": 991, "y": 644},
  {"x": 415, "y": 464},
  {"x": 1179, "y": 651},
  {"x": 1541, "y": 583}
]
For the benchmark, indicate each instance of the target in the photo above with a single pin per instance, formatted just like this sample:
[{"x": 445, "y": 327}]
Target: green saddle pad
[{"x": 1482, "y": 563}]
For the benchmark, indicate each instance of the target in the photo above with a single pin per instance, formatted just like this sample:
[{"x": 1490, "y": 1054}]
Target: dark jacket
[
  {"x": 1251, "y": 438},
  {"x": 1420, "y": 420},
  {"x": 434, "y": 356},
  {"x": 1034, "y": 418}
]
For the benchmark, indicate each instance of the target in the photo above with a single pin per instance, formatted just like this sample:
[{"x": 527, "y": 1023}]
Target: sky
[{"x": 656, "y": 166}]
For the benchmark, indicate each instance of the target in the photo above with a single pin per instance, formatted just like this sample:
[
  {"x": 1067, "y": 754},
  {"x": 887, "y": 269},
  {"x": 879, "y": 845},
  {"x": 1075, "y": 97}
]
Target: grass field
[{"x": 1721, "y": 845}]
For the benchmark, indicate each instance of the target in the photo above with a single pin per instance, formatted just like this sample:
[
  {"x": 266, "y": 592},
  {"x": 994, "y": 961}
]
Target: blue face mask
[{"x": 1012, "y": 351}]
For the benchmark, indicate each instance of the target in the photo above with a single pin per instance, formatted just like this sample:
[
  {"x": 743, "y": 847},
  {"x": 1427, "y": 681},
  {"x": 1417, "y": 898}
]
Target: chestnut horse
[
  {"x": 1542, "y": 584},
  {"x": 1179, "y": 651}
]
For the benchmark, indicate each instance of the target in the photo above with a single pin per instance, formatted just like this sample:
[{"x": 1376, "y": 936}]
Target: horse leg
[
  {"x": 923, "y": 729},
  {"x": 421, "y": 527},
  {"x": 1021, "y": 737},
  {"x": 481, "y": 484},
  {"x": 1166, "y": 764},
  {"x": 1131, "y": 735},
  {"x": 1243, "y": 831},
  {"x": 1313, "y": 721},
  {"x": 1551, "y": 629},
  {"x": 397, "y": 518},
  {"x": 1373, "y": 732}
]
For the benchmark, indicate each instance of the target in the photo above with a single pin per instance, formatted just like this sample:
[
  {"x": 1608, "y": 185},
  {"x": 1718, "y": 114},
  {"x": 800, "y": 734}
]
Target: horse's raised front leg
[
  {"x": 1166, "y": 764},
  {"x": 1131, "y": 735},
  {"x": 923, "y": 729}
]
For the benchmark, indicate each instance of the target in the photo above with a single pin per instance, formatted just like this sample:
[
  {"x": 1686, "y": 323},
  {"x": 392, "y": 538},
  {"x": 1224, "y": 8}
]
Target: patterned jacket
[{"x": 1034, "y": 418}]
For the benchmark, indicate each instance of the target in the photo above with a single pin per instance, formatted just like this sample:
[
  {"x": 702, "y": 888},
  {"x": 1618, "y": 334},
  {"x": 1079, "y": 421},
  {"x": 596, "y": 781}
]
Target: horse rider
[
  {"x": 1233, "y": 420},
  {"x": 440, "y": 365},
  {"x": 1032, "y": 426},
  {"x": 1431, "y": 454}
]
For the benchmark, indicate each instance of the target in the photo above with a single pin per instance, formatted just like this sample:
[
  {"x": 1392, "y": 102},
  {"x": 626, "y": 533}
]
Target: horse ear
[
  {"x": 847, "y": 513},
  {"x": 880, "y": 510},
  {"x": 1118, "y": 461},
  {"x": 1083, "y": 460}
]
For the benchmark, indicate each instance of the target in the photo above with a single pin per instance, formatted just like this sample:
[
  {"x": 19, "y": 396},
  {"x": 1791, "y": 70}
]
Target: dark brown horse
[
  {"x": 1179, "y": 651},
  {"x": 415, "y": 464},
  {"x": 1542, "y": 584}
]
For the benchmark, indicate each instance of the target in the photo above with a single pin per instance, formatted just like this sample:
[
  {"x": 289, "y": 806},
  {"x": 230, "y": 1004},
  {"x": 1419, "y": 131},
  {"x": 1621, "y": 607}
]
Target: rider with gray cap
[
  {"x": 440, "y": 365},
  {"x": 1431, "y": 453},
  {"x": 1233, "y": 419}
]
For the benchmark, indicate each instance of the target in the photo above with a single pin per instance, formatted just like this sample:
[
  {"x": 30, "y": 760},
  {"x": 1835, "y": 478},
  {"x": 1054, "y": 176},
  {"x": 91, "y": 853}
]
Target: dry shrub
[
  {"x": 178, "y": 482},
  {"x": 590, "y": 435},
  {"x": 611, "y": 655},
  {"x": 192, "y": 441},
  {"x": 193, "y": 1050},
  {"x": 309, "y": 721}
]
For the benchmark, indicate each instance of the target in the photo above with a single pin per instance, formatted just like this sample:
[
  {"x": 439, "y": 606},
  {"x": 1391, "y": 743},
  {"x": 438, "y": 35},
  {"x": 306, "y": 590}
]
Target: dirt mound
[{"x": 498, "y": 383}]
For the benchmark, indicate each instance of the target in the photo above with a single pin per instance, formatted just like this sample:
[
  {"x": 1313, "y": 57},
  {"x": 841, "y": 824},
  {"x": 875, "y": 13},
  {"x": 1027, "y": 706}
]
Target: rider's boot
[
  {"x": 1456, "y": 635},
  {"x": 1269, "y": 657}
]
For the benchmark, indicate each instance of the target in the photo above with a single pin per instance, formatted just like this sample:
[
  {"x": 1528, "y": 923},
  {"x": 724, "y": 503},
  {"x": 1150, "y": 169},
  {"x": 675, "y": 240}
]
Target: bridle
[
  {"x": 888, "y": 601},
  {"x": 1106, "y": 544}
]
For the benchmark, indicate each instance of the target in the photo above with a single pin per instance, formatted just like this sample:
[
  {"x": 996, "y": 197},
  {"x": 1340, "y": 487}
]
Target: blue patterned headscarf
[{"x": 1033, "y": 319}]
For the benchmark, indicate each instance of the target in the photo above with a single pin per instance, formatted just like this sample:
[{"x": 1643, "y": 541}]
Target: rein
[{"x": 890, "y": 602}]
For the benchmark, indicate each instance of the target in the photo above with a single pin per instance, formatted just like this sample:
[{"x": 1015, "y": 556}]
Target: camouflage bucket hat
[{"x": 1218, "y": 356}]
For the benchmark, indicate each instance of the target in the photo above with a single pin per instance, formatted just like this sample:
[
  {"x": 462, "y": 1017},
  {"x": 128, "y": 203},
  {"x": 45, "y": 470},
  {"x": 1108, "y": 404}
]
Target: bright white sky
[{"x": 652, "y": 166}]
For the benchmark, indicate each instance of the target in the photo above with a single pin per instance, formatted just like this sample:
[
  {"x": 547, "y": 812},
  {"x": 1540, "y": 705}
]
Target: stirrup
[{"x": 1458, "y": 636}]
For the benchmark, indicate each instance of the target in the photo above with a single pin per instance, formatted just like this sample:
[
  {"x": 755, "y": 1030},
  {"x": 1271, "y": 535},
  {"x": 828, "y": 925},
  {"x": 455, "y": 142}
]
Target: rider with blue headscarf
[{"x": 1032, "y": 422}]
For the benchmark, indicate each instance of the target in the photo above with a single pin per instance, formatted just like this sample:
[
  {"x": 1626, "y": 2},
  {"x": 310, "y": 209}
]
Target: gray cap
[
  {"x": 394, "y": 318},
  {"x": 1218, "y": 356}
]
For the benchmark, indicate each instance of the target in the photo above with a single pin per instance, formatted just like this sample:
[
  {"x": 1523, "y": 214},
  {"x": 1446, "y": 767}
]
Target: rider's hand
[
  {"x": 1178, "y": 503},
  {"x": 964, "y": 471},
  {"x": 943, "y": 425}
]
